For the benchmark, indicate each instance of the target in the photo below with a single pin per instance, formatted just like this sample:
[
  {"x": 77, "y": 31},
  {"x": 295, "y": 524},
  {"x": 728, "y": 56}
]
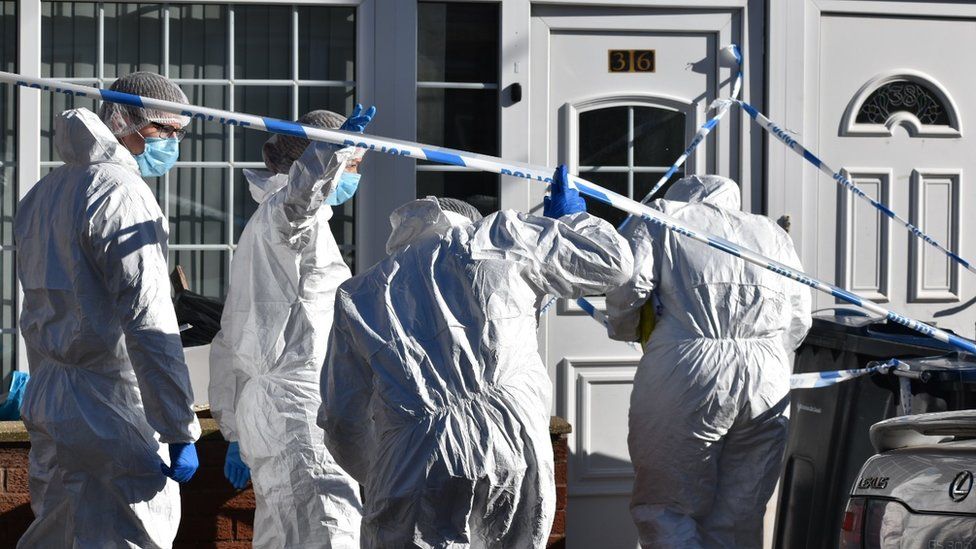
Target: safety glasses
[{"x": 167, "y": 132}]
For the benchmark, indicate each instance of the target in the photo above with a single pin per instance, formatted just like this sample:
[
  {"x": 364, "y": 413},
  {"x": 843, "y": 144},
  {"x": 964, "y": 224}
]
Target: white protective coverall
[
  {"x": 434, "y": 394},
  {"x": 708, "y": 413},
  {"x": 265, "y": 362},
  {"x": 109, "y": 386}
]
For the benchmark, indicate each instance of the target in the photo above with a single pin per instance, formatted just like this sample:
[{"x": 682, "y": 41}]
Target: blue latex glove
[
  {"x": 358, "y": 120},
  {"x": 236, "y": 471},
  {"x": 183, "y": 460},
  {"x": 562, "y": 199}
]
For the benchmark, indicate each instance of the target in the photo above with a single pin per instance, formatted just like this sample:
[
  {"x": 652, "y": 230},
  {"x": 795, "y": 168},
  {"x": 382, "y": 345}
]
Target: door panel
[
  {"x": 891, "y": 99},
  {"x": 621, "y": 130}
]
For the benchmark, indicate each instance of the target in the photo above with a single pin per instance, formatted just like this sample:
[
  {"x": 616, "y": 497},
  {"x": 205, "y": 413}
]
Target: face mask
[
  {"x": 159, "y": 156},
  {"x": 347, "y": 186}
]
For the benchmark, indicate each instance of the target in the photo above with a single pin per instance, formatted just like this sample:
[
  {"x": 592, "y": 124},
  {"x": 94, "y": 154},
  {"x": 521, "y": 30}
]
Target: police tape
[
  {"x": 815, "y": 380},
  {"x": 845, "y": 182},
  {"x": 491, "y": 164},
  {"x": 721, "y": 108}
]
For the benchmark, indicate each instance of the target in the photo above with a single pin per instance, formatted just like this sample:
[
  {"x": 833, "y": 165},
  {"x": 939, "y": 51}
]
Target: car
[{"x": 917, "y": 491}]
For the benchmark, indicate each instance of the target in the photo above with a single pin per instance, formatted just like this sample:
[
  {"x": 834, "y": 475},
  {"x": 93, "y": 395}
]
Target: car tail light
[
  {"x": 882, "y": 519},
  {"x": 852, "y": 529}
]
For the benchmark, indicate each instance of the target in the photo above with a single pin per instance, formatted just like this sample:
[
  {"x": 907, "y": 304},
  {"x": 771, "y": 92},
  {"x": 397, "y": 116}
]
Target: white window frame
[{"x": 29, "y": 15}]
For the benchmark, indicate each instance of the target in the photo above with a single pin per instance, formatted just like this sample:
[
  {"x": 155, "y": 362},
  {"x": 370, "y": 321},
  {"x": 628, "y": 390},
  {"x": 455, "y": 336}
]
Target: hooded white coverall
[
  {"x": 708, "y": 413},
  {"x": 109, "y": 386},
  {"x": 434, "y": 394},
  {"x": 265, "y": 362}
]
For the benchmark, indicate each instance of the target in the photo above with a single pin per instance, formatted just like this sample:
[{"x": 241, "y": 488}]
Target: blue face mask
[
  {"x": 347, "y": 186},
  {"x": 159, "y": 156}
]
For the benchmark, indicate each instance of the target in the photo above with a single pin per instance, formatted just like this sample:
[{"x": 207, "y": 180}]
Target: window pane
[
  {"x": 644, "y": 182},
  {"x": 338, "y": 100},
  {"x": 8, "y": 204},
  {"x": 69, "y": 39},
  {"x": 457, "y": 42},
  {"x": 659, "y": 136},
  {"x": 8, "y": 125},
  {"x": 53, "y": 104},
  {"x": 262, "y": 42},
  {"x": 206, "y": 271},
  {"x": 205, "y": 141},
  {"x": 603, "y": 137},
  {"x": 198, "y": 208},
  {"x": 460, "y": 119},
  {"x": 8, "y": 289},
  {"x": 327, "y": 43},
  {"x": 133, "y": 39},
  {"x": 197, "y": 41},
  {"x": 8, "y": 353},
  {"x": 480, "y": 189},
  {"x": 616, "y": 182},
  {"x": 273, "y": 101}
]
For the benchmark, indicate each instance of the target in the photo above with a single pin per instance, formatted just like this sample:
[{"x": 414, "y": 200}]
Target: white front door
[
  {"x": 897, "y": 113},
  {"x": 621, "y": 130}
]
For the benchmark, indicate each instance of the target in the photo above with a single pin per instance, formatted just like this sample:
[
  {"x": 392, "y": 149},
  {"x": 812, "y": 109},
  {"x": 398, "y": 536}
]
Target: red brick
[
  {"x": 560, "y": 450},
  {"x": 561, "y": 497},
  {"x": 14, "y": 454},
  {"x": 559, "y": 524},
  {"x": 556, "y": 542},
  {"x": 17, "y": 481},
  {"x": 562, "y": 475},
  {"x": 232, "y": 545},
  {"x": 245, "y": 529},
  {"x": 9, "y": 502}
]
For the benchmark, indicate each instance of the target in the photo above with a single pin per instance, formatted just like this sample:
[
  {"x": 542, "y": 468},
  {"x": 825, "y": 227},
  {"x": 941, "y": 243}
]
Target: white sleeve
[
  {"x": 577, "y": 255},
  {"x": 624, "y": 302},
  {"x": 128, "y": 237}
]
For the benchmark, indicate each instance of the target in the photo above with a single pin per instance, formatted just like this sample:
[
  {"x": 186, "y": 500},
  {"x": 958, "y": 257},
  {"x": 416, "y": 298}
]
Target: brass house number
[{"x": 631, "y": 61}]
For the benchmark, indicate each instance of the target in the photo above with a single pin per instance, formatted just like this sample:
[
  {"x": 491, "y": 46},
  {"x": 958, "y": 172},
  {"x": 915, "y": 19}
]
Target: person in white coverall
[
  {"x": 108, "y": 407},
  {"x": 265, "y": 362},
  {"x": 708, "y": 412},
  {"x": 434, "y": 396}
]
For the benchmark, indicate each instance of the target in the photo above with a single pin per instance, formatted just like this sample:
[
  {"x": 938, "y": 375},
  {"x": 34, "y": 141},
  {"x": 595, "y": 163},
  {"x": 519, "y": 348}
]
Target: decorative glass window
[
  {"x": 271, "y": 60},
  {"x": 8, "y": 191},
  {"x": 627, "y": 149},
  {"x": 910, "y": 99},
  {"x": 903, "y": 96},
  {"x": 457, "y": 96}
]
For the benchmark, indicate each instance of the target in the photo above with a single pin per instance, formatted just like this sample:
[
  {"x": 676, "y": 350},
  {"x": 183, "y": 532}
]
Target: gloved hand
[
  {"x": 562, "y": 199},
  {"x": 183, "y": 462},
  {"x": 358, "y": 120},
  {"x": 236, "y": 471}
]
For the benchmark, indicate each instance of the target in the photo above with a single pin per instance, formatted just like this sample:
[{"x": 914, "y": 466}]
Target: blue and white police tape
[
  {"x": 721, "y": 106},
  {"x": 845, "y": 182},
  {"x": 815, "y": 380},
  {"x": 488, "y": 164}
]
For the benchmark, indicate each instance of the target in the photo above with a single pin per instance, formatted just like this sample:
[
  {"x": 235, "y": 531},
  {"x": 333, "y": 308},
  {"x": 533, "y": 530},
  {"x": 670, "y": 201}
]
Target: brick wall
[
  {"x": 558, "y": 429},
  {"x": 215, "y": 516}
]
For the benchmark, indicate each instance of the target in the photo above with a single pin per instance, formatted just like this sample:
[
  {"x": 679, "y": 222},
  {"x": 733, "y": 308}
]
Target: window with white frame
[
  {"x": 627, "y": 149},
  {"x": 8, "y": 190},
  {"x": 273, "y": 60},
  {"x": 457, "y": 96}
]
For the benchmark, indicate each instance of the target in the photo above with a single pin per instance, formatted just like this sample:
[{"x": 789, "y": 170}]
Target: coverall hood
[
  {"x": 81, "y": 138},
  {"x": 706, "y": 189},
  {"x": 419, "y": 218}
]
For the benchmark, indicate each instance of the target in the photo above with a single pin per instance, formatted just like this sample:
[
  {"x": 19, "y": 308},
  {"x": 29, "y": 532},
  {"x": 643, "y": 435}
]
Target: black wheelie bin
[{"x": 829, "y": 426}]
